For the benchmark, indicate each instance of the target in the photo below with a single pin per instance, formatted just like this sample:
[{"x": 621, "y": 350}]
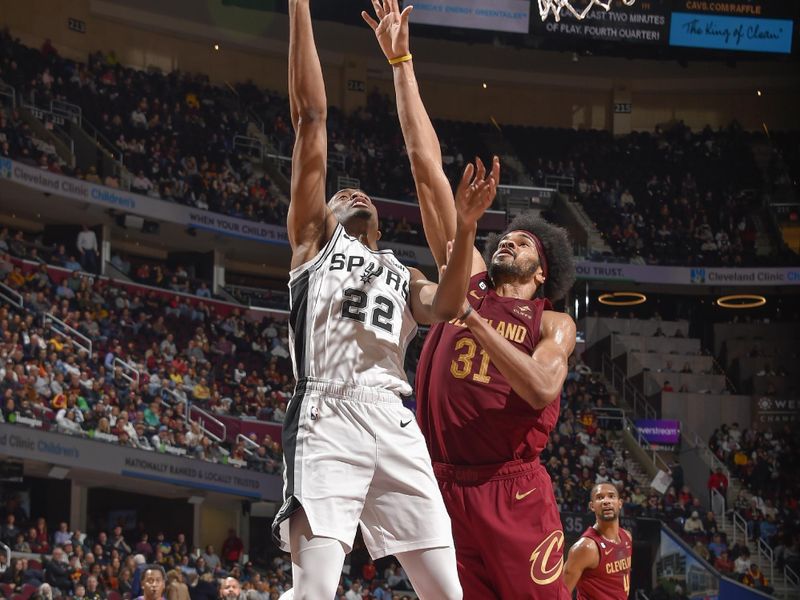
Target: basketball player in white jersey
[{"x": 353, "y": 453}]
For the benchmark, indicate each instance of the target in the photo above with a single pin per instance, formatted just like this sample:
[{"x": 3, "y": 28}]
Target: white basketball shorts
[{"x": 354, "y": 455}]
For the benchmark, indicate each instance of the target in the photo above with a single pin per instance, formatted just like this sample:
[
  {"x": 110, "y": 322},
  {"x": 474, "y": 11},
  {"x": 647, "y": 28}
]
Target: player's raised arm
[
  {"x": 537, "y": 378},
  {"x": 433, "y": 189},
  {"x": 309, "y": 223},
  {"x": 583, "y": 555},
  {"x": 432, "y": 303}
]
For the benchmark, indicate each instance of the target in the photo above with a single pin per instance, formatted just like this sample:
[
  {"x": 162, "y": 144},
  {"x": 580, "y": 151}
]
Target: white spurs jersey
[{"x": 350, "y": 316}]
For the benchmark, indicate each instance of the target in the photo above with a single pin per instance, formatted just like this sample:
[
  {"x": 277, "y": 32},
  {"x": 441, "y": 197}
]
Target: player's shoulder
[
  {"x": 558, "y": 325},
  {"x": 414, "y": 273},
  {"x": 556, "y": 318},
  {"x": 628, "y": 533},
  {"x": 585, "y": 551}
]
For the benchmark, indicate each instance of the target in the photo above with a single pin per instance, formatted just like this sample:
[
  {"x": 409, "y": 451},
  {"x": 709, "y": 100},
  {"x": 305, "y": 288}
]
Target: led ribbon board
[
  {"x": 720, "y": 32},
  {"x": 741, "y": 301},
  {"x": 622, "y": 299}
]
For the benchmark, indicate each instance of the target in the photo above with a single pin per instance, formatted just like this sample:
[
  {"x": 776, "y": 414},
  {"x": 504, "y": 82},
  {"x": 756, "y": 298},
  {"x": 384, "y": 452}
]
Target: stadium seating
[
  {"x": 665, "y": 197},
  {"x": 227, "y": 365},
  {"x": 178, "y": 145},
  {"x": 658, "y": 355},
  {"x": 767, "y": 499}
]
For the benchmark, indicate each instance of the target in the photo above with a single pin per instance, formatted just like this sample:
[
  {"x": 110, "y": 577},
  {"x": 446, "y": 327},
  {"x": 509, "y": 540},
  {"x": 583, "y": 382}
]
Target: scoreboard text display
[
  {"x": 646, "y": 22},
  {"x": 738, "y": 25}
]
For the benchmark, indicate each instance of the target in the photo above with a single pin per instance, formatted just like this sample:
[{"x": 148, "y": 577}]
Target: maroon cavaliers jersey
[
  {"x": 465, "y": 407},
  {"x": 611, "y": 579}
]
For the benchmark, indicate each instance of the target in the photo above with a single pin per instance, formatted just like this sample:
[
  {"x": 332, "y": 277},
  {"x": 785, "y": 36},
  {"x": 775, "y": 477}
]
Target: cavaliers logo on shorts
[{"x": 547, "y": 559}]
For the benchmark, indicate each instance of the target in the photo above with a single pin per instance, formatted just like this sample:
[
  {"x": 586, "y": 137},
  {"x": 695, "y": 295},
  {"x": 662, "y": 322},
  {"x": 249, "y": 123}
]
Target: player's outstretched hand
[
  {"x": 476, "y": 191},
  {"x": 391, "y": 28}
]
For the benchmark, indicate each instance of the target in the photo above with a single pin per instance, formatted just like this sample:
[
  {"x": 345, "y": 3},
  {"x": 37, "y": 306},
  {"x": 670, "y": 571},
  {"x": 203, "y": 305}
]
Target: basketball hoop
[{"x": 556, "y": 6}]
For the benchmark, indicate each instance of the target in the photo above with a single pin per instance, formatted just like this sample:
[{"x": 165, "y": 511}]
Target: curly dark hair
[{"x": 557, "y": 248}]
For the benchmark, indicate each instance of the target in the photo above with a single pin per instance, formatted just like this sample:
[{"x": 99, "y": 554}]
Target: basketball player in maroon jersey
[
  {"x": 488, "y": 383},
  {"x": 599, "y": 563}
]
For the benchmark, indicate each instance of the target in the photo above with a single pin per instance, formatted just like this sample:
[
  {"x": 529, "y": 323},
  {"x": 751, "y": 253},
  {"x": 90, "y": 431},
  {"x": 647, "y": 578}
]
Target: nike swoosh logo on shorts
[
  {"x": 525, "y": 495},
  {"x": 406, "y": 423}
]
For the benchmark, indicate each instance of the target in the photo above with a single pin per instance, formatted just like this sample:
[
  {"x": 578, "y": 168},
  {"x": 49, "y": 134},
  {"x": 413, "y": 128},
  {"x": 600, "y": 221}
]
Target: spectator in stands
[
  {"x": 153, "y": 583},
  {"x": 63, "y": 535},
  {"x": 212, "y": 560},
  {"x": 9, "y": 530},
  {"x": 718, "y": 481},
  {"x": 723, "y": 563},
  {"x": 39, "y": 544},
  {"x": 18, "y": 575},
  {"x": 742, "y": 562},
  {"x": 176, "y": 588},
  {"x": 754, "y": 578},
  {"x": 368, "y": 571},
  {"x": 768, "y": 528},
  {"x": 87, "y": 249},
  {"x": 202, "y": 290},
  {"x": 230, "y": 589},
  {"x": 93, "y": 591},
  {"x": 710, "y": 523},
  {"x": 125, "y": 585},
  {"x": 118, "y": 542},
  {"x": 21, "y": 544},
  {"x": 56, "y": 571},
  {"x": 202, "y": 587},
  {"x": 717, "y": 546},
  {"x": 162, "y": 544},
  {"x": 396, "y": 577},
  {"x": 693, "y": 525},
  {"x": 701, "y": 549},
  {"x": 232, "y": 548},
  {"x": 180, "y": 547},
  {"x": 354, "y": 593}
]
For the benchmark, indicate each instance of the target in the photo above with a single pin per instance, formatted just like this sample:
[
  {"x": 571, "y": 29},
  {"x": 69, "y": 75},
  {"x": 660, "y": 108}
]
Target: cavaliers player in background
[
  {"x": 488, "y": 384},
  {"x": 599, "y": 563},
  {"x": 353, "y": 453}
]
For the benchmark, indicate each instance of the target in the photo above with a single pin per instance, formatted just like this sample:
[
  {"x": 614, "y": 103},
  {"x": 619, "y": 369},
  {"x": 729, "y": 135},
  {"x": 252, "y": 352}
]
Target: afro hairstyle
[{"x": 557, "y": 248}]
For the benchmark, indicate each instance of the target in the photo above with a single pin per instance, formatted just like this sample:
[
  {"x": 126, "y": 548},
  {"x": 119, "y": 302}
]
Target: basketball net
[{"x": 556, "y": 6}]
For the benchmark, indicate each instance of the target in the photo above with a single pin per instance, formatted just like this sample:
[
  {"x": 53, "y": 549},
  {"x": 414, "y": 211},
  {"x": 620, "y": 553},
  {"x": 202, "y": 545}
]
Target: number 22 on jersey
[{"x": 355, "y": 307}]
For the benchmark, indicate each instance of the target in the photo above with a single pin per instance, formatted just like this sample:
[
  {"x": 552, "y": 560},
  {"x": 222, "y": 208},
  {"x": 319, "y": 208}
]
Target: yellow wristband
[{"x": 400, "y": 59}]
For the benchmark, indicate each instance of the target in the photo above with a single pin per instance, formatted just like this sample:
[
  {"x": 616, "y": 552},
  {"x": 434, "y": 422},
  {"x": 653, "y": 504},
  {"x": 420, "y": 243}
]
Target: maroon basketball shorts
[{"x": 507, "y": 530}]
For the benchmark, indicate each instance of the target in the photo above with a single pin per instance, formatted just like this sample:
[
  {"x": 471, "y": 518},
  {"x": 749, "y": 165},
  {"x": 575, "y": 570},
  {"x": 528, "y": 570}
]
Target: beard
[
  {"x": 608, "y": 518},
  {"x": 508, "y": 271}
]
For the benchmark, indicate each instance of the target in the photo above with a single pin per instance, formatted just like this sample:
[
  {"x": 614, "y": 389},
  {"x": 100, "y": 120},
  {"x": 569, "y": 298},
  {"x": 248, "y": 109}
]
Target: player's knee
[
  {"x": 448, "y": 590},
  {"x": 454, "y": 593}
]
